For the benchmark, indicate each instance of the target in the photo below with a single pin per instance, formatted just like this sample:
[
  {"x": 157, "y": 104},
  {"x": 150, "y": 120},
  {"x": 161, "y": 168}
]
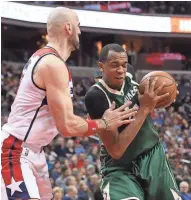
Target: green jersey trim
[
  {"x": 113, "y": 91},
  {"x": 131, "y": 77}
]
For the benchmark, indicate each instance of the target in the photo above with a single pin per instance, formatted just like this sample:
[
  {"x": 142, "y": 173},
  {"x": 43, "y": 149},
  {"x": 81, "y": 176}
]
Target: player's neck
[
  {"x": 112, "y": 86},
  {"x": 62, "y": 48}
]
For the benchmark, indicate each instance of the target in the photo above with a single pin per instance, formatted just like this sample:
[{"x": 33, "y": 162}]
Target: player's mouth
[{"x": 120, "y": 78}]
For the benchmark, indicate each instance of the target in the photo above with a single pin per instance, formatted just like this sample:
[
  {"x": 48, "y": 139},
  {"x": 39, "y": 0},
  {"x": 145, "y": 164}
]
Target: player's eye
[{"x": 114, "y": 65}]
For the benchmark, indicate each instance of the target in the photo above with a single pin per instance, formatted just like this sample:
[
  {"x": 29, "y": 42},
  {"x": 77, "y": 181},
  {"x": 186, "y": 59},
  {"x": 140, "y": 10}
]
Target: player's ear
[
  {"x": 100, "y": 64},
  {"x": 69, "y": 28}
]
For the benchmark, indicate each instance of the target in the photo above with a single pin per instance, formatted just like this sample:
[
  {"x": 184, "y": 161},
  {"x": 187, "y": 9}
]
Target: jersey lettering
[{"x": 129, "y": 96}]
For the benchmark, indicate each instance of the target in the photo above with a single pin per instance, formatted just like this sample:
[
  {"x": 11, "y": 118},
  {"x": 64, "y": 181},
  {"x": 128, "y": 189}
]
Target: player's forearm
[
  {"x": 77, "y": 126},
  {"x": 123, "y": 140}
]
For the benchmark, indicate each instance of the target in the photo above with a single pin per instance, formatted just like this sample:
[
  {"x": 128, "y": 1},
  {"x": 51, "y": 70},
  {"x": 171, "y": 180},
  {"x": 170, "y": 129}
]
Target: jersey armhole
[{"x": 36, "y": 66}]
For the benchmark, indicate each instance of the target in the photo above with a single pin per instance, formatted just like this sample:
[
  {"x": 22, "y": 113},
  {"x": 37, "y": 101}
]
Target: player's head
[
  {"x": 63, "y": 23},
  {"x": 113, "y": 65}
]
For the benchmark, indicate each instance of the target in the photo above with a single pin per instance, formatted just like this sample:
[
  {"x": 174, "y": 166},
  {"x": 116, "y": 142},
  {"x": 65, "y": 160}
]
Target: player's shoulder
[
  {"x": 96, "y": 102},
  {"x": 53, "y": 71},
  {"x": 51, "y": 63},
  {"x": 94, "y": 93},
  {"x": 51, "y": 60}
]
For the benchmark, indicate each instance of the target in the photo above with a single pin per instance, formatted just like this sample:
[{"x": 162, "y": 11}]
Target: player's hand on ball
[
  {"x": 117, "y": 117},
  {"x": 149, "y": 99}
]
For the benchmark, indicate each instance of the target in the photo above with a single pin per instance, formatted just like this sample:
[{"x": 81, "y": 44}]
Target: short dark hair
[{"x": 109, "y": 47}]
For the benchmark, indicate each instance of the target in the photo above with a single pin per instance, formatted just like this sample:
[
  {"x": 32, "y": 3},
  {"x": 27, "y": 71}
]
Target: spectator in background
[
  {"x": 85, "y": 142},
  {"x": 184, "y": 188},
  {"x": 52, "y": 182},
  {"x": 95, "y": 186},
  {"x": 94, "y": 153},
  {"x": 58, "y": 193},
  {"x": 77, "y": 161},
  {"x": 93, "y": 182},
  {"x": 81, "y": 160},
  {"x": 83, "y": 192},
  {"x": 71, "y": 194},
  {"x": 166, "y": 7},
  {"x": 60, "y": 147},
  {"x": 69, "y": 149},
  {"x": 79, "y": 147},
  {"x": 70, "y": 181},
  {"x": 79, "y": 91},
  {"x": 51, "y": 156},
  {"x": 91, "y": 170},
  {"x": 61, "y": 180},
  {"x": 77, "y": 173},
  {"x": 56, "y": 172}
]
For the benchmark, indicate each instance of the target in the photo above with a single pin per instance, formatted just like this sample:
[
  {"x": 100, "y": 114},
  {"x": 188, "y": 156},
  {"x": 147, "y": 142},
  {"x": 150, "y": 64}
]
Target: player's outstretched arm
[{"x": 56, "y": 80}]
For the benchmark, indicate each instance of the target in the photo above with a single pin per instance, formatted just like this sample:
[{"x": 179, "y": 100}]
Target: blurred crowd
[
  {"x": 74, "y": 162},
  {"x": 151, "y": 7},
  {"x": 174, "y": 127}
]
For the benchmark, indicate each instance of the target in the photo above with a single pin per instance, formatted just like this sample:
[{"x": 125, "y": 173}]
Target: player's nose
[{"x": 120, "y": 70}]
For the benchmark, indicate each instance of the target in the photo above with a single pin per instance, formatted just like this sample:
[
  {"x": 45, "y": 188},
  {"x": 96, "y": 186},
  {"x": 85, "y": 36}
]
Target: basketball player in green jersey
[{"x": 133, "y": 162}]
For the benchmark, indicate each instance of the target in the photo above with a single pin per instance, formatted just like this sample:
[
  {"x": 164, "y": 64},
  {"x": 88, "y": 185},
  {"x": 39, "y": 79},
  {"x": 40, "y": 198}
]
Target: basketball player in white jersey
[{"x": 42, "y": 108}]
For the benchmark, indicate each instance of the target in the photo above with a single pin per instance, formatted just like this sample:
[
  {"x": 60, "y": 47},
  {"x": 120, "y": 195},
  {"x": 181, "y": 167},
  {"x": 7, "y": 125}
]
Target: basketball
[{"x": 169, "y": 87}]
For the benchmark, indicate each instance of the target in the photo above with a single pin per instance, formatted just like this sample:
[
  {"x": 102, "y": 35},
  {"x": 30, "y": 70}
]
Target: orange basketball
[{"x": 169, "y": 87}]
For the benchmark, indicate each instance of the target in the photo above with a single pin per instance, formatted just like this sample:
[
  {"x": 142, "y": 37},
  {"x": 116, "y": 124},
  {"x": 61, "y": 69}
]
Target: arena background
[{"x": 156, "y": 36}]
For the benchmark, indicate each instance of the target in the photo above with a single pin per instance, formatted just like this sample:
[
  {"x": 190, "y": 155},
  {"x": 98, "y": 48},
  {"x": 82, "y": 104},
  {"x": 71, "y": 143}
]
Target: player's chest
[{"x": 130, "y": 93}]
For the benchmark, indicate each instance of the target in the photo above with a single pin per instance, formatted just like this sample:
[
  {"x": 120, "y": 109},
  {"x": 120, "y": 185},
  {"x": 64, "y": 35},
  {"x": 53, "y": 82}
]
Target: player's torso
[
  {"x": 30, "y": 119},
  {"x": 147, "y": 136}
]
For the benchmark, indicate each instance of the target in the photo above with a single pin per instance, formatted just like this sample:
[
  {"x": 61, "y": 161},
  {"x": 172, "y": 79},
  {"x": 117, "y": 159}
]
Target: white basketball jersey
[{"x": 30, "y": 119}]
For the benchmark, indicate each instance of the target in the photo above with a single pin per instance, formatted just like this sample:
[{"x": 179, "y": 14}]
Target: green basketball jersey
[{"x": 147, "y": 136}]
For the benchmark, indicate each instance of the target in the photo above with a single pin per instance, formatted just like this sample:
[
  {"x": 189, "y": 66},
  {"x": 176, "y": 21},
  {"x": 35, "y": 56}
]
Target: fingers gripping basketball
[{"x": 169, "y": 87}]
